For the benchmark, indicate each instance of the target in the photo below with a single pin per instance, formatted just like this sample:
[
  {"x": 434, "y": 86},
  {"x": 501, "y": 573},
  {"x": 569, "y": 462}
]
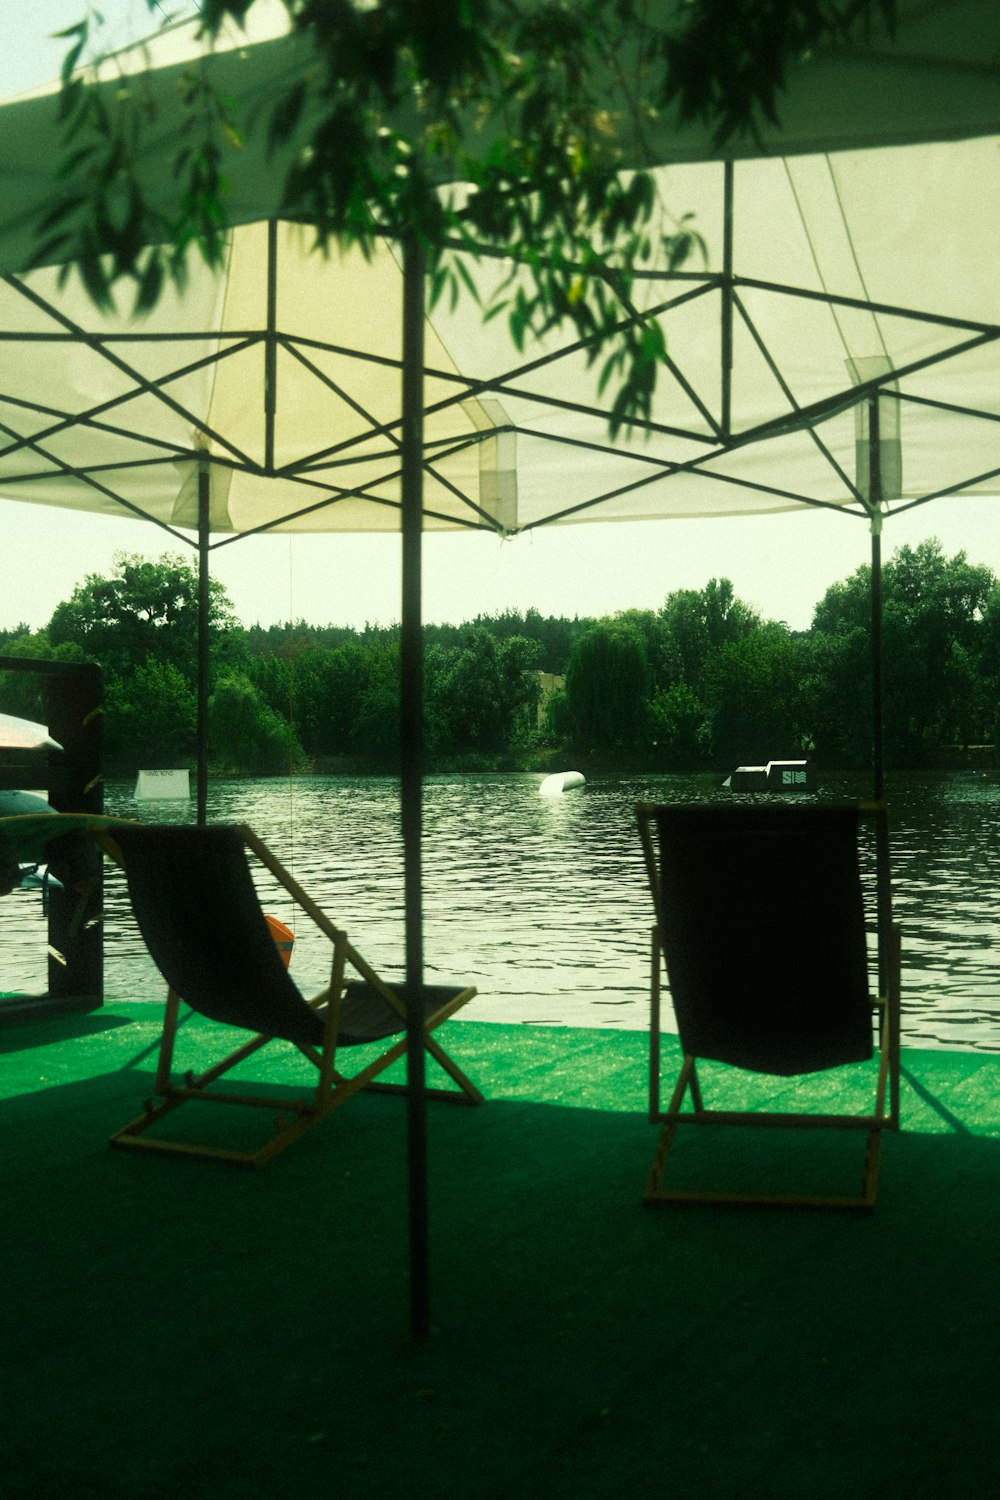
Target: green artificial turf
[{"x": 172, "y": 1327}]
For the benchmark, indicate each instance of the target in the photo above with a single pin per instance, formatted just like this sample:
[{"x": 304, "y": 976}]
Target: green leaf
[
  {"x": 470, "y": 285},
  {"x": 150, "y": 283},
  {"x": 438, "y": 282},
  {"x": 494, "y": 310},
  {"x": 93, "y": 276},
  {"x": 286, "y": 115},
  {"x": 81, "y": 31}
]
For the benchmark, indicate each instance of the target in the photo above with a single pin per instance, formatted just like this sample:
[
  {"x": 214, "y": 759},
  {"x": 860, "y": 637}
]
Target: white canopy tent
[{"x": 837, "y": 349}]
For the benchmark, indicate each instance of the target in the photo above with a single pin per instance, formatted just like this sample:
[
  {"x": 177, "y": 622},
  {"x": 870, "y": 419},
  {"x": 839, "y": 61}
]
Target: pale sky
[{"x": 781, "y": 565}]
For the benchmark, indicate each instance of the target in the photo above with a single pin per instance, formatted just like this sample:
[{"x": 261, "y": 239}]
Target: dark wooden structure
[{"x": 71, "y": 779}]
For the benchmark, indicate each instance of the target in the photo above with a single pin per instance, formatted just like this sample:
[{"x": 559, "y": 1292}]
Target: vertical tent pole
[
  {"x": 271, "y": 346},
  {"x": 411, "y": 776},
  {"x": 204, "y": 513},
  {"x": 875, "y": 513},
  {"x": 878, "y": 740},
  {"x": 878, "y": 737},
  {"x": 727, "y": 303}
]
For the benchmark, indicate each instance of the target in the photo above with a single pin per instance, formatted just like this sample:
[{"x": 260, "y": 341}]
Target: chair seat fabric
[
  {"x": 764, "y": 935},
  {"x": 365, "y": 1016},
  {"x": 197, "y": 908}
]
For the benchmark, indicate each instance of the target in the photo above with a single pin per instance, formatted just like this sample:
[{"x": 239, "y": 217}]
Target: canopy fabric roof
[{"x": 848, "y": 271}]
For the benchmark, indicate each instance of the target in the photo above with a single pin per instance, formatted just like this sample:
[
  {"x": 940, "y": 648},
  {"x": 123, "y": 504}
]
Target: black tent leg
[
  {"x": 204, "y": 516},
  {"x": 878, "y": 737},
  {"x": 411, "y": 777},
  {"x": 878, "y": 744}
]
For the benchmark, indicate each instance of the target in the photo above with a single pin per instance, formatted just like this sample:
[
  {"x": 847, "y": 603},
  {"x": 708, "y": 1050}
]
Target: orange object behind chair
[{"x": 283, "y": 936}]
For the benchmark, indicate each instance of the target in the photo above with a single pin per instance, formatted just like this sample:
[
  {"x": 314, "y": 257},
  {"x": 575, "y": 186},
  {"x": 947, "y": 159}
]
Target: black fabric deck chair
[
  {"x": 761, "y": 930},
  {"x": 193, "y": 895}
]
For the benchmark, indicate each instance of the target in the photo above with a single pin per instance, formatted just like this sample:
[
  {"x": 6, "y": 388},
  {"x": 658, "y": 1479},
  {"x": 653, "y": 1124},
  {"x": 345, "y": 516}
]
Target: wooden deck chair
[
  {"x": 196, "y": 904},
  {"x": 761, "y": 931}
]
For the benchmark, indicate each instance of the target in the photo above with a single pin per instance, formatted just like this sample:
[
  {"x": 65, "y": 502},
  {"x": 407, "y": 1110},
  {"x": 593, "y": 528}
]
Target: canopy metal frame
[{"x": 313, "y": 471}]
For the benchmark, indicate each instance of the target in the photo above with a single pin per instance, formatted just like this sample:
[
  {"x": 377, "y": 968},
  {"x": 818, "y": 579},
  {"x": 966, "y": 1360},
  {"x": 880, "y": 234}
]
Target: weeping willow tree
[{"x": 608, "y": 686}]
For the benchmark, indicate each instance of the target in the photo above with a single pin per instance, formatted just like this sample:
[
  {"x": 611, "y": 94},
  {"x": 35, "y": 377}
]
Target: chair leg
[
  {"x": 873, "y": 1156},
  {"x": 655, "y": 1194},
  {"x": 687, "y": 1078},
  {"x": 894, "y": 1016},
  {"x": 450, "y": 1066},
  {"x": 367, "y": 1078},
  {"x": 465, "y": 1091},
  {"x": 654, "y": 1179},
  {"x": 166, "y": 1055},
  {"x": 654, "y": 1024}
]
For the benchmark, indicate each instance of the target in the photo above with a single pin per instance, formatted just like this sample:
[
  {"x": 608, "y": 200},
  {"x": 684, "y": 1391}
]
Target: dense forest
[{"x": 704, "y": 682}]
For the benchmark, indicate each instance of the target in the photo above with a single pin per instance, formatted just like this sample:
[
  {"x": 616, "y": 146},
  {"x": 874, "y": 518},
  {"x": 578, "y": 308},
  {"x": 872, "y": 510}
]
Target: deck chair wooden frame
[
  {"x": 884, "y": 1008},
  {"x": 322, "y": 1027}
]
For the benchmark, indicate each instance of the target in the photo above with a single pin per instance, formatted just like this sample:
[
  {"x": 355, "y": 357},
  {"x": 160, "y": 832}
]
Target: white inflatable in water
[{"x": 562, "y": 781}]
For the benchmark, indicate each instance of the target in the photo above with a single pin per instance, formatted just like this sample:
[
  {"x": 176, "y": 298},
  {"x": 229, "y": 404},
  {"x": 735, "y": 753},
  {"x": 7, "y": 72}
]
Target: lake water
[{"x": 541, "y": 902}]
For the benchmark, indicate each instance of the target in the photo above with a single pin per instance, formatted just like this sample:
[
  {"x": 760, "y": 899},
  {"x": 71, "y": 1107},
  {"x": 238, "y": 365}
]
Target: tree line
[{"x": 702, "y": 683}]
